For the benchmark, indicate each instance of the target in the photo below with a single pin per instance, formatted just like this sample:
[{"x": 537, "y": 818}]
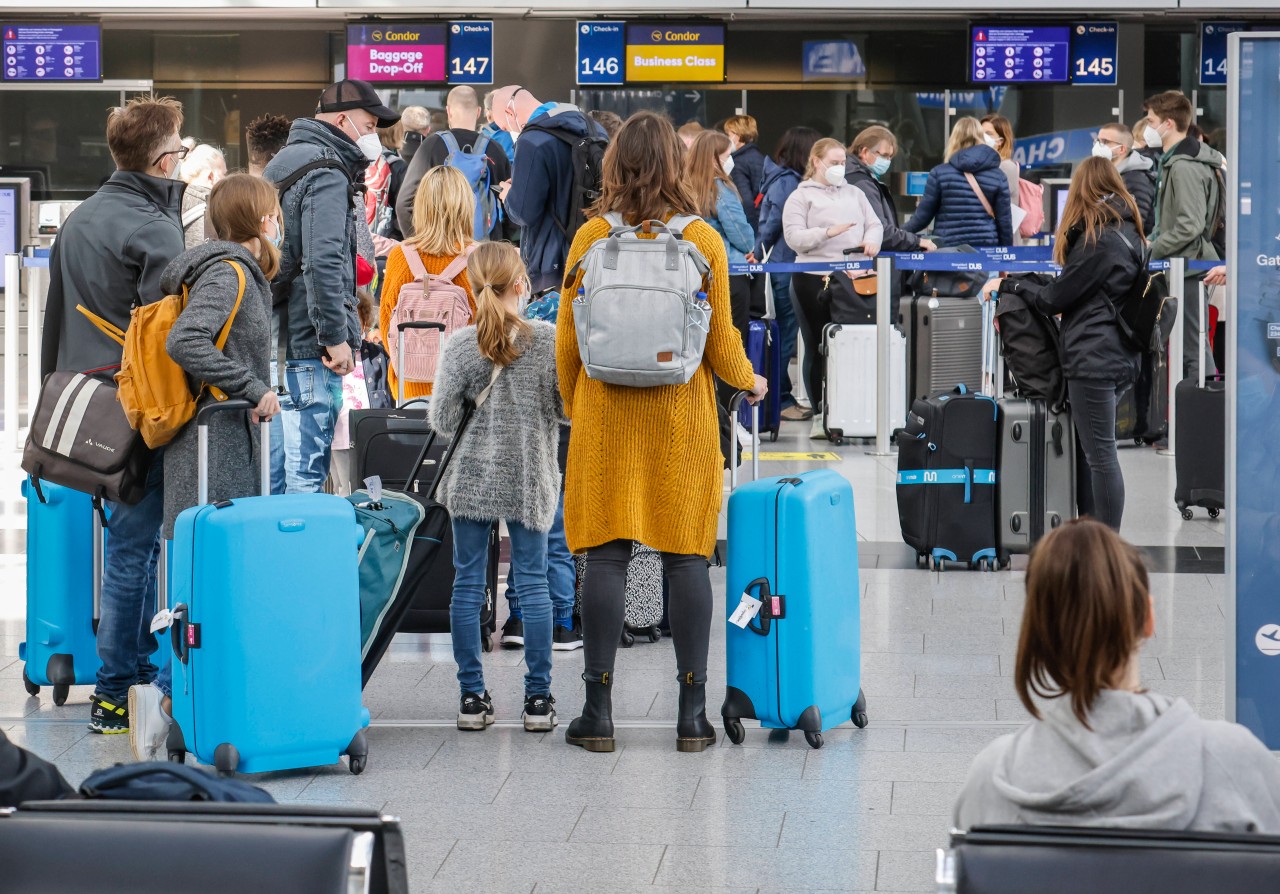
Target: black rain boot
[
  {"x": 594, "y": 729},
  {"x": 694, "y": 732}
]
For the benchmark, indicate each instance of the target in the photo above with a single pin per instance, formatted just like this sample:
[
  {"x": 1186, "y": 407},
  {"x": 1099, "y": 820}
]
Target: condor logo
[
  {"x": 92, "y": 443},
  {"x": 400, "y": 35}
]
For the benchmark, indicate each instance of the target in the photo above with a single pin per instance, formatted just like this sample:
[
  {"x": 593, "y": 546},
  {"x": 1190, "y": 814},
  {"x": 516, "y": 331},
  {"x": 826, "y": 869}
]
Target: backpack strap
[
  {"x": 482, "y": 145},
  {"x": 414, "y": 260},
  {"x": 221, "y": 343},
  {"x": 679, "y": 223},
  {"x": 450, "y": 141},
  {"x": 458, "y": 264},
  {"x": 106, "y": 327},
  {"x": 615, "y": 221},
  {"x": 194, "y": 213}
]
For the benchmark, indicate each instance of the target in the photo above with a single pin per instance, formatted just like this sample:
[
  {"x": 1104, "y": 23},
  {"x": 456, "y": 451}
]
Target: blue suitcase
[
  {"x": 764, "y": 351},
  {"x": 63, "y": 551},
  {"x": 793, "y": 545},
  {"x": 266, "y": 629}
]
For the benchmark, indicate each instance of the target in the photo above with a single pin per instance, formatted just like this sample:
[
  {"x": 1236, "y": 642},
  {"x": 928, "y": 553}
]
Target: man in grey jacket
[
  {"x": 109, "y": 258},
  {"x": 317, "y": 326}
]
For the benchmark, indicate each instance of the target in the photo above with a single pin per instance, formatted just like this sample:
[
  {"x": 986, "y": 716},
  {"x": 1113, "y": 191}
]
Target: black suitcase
[
  {"x": 946, "y": 479},
  {"x": 1142, "y": 412},
  {"x": 1201, "y": 458}
]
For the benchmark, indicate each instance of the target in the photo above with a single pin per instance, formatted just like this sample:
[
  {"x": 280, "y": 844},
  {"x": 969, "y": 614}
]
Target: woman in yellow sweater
[
  {"x": 444, "y": 210},
  {"x": 644, "y": 463}
]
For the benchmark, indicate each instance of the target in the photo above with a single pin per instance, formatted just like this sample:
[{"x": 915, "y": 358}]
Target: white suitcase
[{"x": 849, "y": 401}]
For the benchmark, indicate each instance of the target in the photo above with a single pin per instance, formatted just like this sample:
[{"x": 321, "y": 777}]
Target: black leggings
[
  {"x": 813, "y": 317},
  {"x": 1099, "y": 484},
  {"x": 604, "y": 584}
]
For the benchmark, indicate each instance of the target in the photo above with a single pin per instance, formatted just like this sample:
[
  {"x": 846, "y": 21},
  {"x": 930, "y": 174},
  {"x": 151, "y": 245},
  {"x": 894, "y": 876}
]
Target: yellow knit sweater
[{"x": 645, "y": 463}]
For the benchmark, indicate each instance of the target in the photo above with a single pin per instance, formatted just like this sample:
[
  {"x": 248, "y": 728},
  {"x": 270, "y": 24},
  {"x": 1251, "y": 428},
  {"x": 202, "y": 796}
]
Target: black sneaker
[
  {"x": 565, "y": 639},
  {"x": 475, "y": 712},
  {"x": 513, "y": 634},
  {"x": 107, "y": 717},
  {"x": 539, "y": 713}
]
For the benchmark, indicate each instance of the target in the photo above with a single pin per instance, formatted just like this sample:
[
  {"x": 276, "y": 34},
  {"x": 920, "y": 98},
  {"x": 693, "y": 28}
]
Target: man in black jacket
[
  {"x": 1115, "y": 142},
  {"x": 107, "y": 259}
]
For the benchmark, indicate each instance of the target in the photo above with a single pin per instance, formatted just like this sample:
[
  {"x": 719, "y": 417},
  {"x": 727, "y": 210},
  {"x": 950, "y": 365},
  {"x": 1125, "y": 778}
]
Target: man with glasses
[
  {"x": 1115, "y": 142},
  {"x": 108, "y": 258}
]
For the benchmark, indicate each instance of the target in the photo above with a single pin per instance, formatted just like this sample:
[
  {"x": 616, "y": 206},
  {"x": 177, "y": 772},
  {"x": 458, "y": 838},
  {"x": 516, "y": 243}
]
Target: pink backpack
[
  {"x": 427, "y": 299},
  {"x": 1030, "y": 200}
]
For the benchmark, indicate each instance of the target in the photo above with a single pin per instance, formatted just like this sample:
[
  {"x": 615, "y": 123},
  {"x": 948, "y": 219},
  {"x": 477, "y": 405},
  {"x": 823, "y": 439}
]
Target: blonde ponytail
[{"x": 494, "y": 269}]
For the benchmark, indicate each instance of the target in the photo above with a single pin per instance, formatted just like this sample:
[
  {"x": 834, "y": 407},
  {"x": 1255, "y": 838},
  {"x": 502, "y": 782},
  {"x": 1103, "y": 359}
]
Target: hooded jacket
[
  {"x": 1185, "y": 202},
  {"x": 895, "y": 237},
  {"x": 1148, "y": 763},
  {"x": 319, "y": 238},
  {"x": 1139, "y": 176},
  {"x": 242, "y": 369},
  {"x": 1096, "y": 274},
  {"x": 541, "y": 183},
  {"x": 778, "y": 185},
  {"x": 108, "y": 257},
  {"x": 956, "y": 212},
  {"x": 815, "y": 207},
  {"x": 748, "y": 176}
]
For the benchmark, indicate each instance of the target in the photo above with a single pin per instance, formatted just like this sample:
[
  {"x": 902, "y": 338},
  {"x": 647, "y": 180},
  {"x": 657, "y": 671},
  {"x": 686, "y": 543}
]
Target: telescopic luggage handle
[
  {"x": 734, "y": 403},
  {"x": 203, "y": 418},
  {"x": 400, "y": 328}
]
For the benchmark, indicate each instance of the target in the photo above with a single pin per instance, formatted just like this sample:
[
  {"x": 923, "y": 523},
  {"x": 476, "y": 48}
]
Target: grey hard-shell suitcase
[{"x": 944, "y": 344}]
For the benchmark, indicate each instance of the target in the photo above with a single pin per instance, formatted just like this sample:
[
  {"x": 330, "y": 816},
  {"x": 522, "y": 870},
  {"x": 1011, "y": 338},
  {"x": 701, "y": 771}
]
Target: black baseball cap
[{"x": 349, "y": 94}]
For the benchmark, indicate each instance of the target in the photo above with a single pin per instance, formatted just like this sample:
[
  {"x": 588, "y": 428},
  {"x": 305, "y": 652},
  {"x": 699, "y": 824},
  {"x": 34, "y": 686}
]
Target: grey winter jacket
[
  {"x": 505, "y": 466},
  {"x": 242, "y": 370},
  {"x": 108, "y": 257},
  {"x": 1148, "y": 763},
  {"x": 1139, "y": 176},
  {"x": 319, "y": 238}
]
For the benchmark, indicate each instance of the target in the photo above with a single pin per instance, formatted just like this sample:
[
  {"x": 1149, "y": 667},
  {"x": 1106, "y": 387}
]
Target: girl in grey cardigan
[{"x": 503, "y": 467}]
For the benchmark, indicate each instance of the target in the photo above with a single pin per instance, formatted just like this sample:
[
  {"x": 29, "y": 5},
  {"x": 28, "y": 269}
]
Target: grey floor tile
[
  {"x": 716, "y": 827},
  {"x": 757, "y": 795},
  {"x": 872, "y": 738},
  {"x": 886, "y": 766},
  {"x": 50, "y": 740},
  {"x": 652, "y": 754},
  {"x": 890, "y": 709},
  {"x": 925, "y": 798},
  {"x": 889, "y": 685},
  {"x": 967, "y": 740},
  {"x": 931, "y": 624},
  {"x": 374, "y": 786},
  {"x": 970, "y": 644},
  {"x": 508, "y": 749},
  {"x": 883, "y": 662},
  {"x": 579, "y": 888},
  {"x": 424, "y": 857},
  {"x": 627, "y": 864},
  {"x": 956, "y": 686},
  {"x": 693, "y": 868},
  {"x": 573, "y": 789},
  {"x": 819, "y": 830},
  {"x": 480, "y": 886},
  {"x": 906, "y": 871},
  {"x": 1011, "y": 709},
  {"x": 541, "y": 820},
  {"x": 402, "y": 748}
]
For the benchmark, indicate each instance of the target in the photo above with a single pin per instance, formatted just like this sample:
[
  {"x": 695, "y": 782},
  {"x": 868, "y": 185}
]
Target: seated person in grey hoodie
[{"x": 1103, "y": 750}]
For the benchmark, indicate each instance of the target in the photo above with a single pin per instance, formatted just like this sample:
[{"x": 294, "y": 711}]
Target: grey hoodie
[{"x": 1149, "y": 763}]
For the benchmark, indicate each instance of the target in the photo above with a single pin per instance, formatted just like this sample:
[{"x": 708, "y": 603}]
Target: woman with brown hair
[
  {"x": 644, "y": 463},
  {"x": 997, "y": 133},
  {"x": 1102, "y": 749},
  {"x": 1099, "y": 246}
]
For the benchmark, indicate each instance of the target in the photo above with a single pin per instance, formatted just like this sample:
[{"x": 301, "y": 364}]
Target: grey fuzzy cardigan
[
  {"x": 505, "y": 466},
  {"x": 242, "y": 369}
]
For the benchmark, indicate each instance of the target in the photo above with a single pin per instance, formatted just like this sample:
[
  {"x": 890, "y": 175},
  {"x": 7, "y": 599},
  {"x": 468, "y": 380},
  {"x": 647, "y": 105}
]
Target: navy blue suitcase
[{"x": 764, "y": 344}]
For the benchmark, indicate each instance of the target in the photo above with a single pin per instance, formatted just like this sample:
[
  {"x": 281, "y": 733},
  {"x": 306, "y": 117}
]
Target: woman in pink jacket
[{"x": 822, "y": 219}]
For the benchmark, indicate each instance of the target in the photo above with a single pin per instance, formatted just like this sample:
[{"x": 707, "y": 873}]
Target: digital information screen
[
  {"x": 1011, "y": 54},
  {"x": 8, "y": 220},
  {"x": 601, "y": 49},
  {"x": 45, "y": 53},
  {"x": 675, "y": 53},
  {"x": 471, "y": 52},
  {"x": 1094, "y": 53},
  {"x": 395, "y": 52}
]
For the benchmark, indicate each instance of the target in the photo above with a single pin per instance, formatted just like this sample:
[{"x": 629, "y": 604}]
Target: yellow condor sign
[{"x": 675, "y": 53}]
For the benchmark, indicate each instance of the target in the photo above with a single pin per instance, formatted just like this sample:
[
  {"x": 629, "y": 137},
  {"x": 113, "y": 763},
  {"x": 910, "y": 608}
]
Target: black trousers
[{"x": 813, "y": 318}]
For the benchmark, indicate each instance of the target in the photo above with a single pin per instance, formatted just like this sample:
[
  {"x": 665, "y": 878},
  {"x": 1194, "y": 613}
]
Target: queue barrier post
[
  {"x": 37, "y": 293},
  {"x": 1177, "y": 291},
  {"x": 12, "y": 307},
  {"x": 884, "y": 332}
]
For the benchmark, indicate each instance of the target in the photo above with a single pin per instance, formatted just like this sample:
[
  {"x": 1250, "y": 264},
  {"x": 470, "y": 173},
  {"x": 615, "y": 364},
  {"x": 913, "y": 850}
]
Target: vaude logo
[{"x": 92, "y": 443}]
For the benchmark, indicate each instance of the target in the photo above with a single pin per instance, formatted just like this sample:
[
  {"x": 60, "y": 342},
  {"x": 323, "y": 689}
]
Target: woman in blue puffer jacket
[{"x": 967, "y": 196}]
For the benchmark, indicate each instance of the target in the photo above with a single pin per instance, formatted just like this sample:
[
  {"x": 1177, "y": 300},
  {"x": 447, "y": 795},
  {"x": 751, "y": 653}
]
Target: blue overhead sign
[
  {"x": 1053, "y": 148},
  {"x": 601, "y": 50},
  {"x": 1017, "y": 54},
  {"x": 46, "y": 53},
  {"x": 1213, "y": 50},
  {"x": 471, "y": 52},
  {"x": 831, "y": 60},
  {"x": 1094, "y": 53}
]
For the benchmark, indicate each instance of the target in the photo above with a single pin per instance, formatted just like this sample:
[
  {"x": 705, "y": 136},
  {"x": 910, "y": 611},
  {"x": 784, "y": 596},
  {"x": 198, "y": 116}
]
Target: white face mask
[
  {"x": 1102, "y": 150},
  {"x": 990, "y": 140},
  {"x": 370, "y": 143},
  {"x": 727, "y": 164},
  {"x": 1152, "y": 138},
  {"x": 835, "y": 175}
]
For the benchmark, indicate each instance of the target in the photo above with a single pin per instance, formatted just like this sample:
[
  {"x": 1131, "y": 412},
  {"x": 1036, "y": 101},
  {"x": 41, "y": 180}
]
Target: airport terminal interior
[{"x": 505, "y": 811}]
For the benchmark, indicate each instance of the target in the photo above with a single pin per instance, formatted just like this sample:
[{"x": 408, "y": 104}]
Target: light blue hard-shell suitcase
[
  {"x": 266, "y": 628},
  {"x": 64, "y": 575},
  {"x": 793, "y": 545}
]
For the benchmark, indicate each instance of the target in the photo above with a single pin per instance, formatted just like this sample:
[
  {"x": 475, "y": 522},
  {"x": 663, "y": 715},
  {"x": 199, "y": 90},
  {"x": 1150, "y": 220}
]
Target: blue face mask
[
  {"x": 880, "y": 165},
  {"x": 278, "y": 239}
]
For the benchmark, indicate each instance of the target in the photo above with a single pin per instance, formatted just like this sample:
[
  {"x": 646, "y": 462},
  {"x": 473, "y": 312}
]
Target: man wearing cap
[{"x": 317, "y": 327}]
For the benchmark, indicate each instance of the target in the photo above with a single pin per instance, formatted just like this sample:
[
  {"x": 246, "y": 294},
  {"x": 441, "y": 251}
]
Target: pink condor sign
[{"x": 396, "y": 52}]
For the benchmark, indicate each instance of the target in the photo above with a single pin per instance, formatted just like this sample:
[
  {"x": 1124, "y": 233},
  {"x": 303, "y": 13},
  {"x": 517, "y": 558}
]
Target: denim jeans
[
  {"x": 562, "y": 574},
  {"x": 529, "y": 567},
  {"x": 302, "y": 434},
  {"x": 125, "y": 640},
  {"x": 1100, "y": 489},
  {"x": 788, "y": 330}
]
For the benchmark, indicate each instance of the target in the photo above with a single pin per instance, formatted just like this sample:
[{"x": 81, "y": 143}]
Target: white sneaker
[
  {"x": 816, "y": 431},
  {"x": 148, "y": 723}
]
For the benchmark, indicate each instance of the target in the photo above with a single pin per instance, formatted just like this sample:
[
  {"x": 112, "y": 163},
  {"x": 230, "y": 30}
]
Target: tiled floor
[{"x": 506, "y": 811}]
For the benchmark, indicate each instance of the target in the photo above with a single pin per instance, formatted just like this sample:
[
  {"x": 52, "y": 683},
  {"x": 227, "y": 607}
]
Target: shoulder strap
[
  {"x": 192, "y": 214},
  {"x": 106, "y": 327},
  {"x": 458, "y": 264},
  {"x": 680, "y": 222},
  {"x": 615, "y": 221},
  {"x": 414, "y": 260},
  {"x": 977, "y": 191},
  {"x": 450, "y": 141},
  {"x": 221, "y": 343},
  {"x": 482, "y": 145},
  {"x": 493, "y": 377},
  {"x": 287, "y": 183}
]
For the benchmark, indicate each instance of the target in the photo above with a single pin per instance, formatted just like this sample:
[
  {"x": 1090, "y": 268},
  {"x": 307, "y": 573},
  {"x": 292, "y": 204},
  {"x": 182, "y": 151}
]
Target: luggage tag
[
  {"x": 746, "y": 611},
  {"x": 373, "y": 484},
  {"x": 162, "y": 621}
]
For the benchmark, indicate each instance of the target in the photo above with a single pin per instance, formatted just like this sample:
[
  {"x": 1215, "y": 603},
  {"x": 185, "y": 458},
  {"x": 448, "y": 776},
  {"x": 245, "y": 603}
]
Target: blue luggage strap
[{"x": 967, "y": 477}]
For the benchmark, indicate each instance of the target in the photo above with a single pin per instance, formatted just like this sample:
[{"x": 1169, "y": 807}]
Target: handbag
[{"x": 848, "y": 304}]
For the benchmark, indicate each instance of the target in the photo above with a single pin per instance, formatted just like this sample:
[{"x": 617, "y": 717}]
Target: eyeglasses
[
  {"x": 1104, "y": 141},
  {"x": 181, "y": 152}
]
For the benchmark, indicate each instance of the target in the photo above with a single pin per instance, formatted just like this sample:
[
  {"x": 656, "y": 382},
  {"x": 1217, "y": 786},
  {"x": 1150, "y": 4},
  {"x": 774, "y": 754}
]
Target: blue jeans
[
  {"x": 125, "y": 640},
  {"x": 562, "y": 574},
  {"x": 788, "y": 330},
  {"x": 529, "y": 567},
  {"x": 302, "y": 434}
]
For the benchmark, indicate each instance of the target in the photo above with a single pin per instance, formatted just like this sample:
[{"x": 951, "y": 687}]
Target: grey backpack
[{"x": 641, "y": 314}]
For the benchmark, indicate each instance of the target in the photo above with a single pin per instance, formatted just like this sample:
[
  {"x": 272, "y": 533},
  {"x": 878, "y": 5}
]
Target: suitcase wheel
[
  {"x": 225, "y": 759},
  {"x": 1214, "y": 513},
  {"x": 357, "y": 753},
  {"x": 32, "y": 688},
  {"x": 859, "y": 713},
  {"x": 773, "y": 435},
  {"x": 627, "y": 640},
  {"x": 922, "y": 560},
  {"x": 733, "y": 729},
  {"x": 814, "y": 739},
  {"x": 1186, "y": 513},
  {"x": 60, "y": 693},
  {"x": 654, "y": 633},
  {"x": 486, "y": 643},
  {"x": 177, "y": 757}
]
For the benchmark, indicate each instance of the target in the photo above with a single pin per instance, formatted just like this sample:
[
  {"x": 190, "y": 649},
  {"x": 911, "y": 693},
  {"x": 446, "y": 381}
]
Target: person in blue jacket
[
  {"x": 782, "y": 174},
  {"x": 538, "y": 195},
  {"x": 966, "y": 211},
  {"x": 496, "y": 133},
  {"x": 706, "y": 174}
]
